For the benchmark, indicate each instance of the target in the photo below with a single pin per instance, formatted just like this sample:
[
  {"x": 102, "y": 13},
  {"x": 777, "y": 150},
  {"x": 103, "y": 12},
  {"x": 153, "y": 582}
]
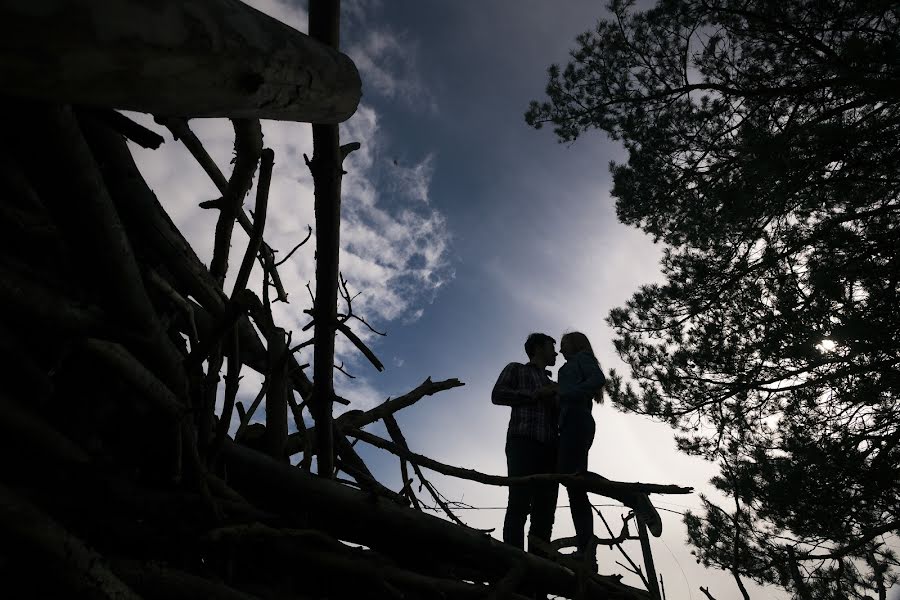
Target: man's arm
[{"x": 506, "y": 391}]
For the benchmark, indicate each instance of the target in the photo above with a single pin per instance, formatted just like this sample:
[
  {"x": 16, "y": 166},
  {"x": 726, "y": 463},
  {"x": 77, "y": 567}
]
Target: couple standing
[{"x": 550, "y": 431}]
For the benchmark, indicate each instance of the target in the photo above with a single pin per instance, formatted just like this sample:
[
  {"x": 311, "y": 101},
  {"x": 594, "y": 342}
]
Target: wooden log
[
  {"x": 82, "y": 209},
  {"x": 69, "y": 559},
  {"x": 159, "y": 581},
  {"x": 384, "y": 526},
  {"x": 199, "y": 58}
]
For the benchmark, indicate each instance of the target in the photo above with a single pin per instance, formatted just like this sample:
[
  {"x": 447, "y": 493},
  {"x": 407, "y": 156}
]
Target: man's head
[{"x": 540, "y": 350}]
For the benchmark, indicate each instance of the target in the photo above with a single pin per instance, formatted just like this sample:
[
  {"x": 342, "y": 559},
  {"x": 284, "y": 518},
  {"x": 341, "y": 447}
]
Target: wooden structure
[{"x": 120, "y": 477}]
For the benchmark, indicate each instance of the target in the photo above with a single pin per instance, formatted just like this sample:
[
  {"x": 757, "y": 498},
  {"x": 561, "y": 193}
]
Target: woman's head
[{"x": 574, "y": 342}]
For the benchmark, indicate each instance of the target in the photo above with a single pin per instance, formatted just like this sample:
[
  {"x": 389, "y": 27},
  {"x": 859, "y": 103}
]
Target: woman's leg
[{"x": 574, "y": 442}]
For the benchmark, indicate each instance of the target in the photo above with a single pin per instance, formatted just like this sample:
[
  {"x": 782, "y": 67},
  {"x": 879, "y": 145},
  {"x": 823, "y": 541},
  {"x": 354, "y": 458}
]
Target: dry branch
[
  {"x": 359, "y": 419},
  {"x": 589, "y": 481},
  {"x": 182, "y": 131},
  {"x": 148, "y": 221},
  {"x": 203, "y": 58}
]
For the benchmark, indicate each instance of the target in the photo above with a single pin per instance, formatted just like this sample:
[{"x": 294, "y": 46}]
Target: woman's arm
[{"x": 592, "y": 380}]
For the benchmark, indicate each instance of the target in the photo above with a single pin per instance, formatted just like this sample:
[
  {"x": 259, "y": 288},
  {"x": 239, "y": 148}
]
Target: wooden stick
[{"x": 200, "y": 58}]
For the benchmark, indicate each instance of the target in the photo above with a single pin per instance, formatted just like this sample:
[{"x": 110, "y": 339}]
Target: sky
[{"x": 464, "y": 230}]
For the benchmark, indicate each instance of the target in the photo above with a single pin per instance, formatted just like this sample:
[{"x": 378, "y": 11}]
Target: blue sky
[{"x": 465, "y": 230}]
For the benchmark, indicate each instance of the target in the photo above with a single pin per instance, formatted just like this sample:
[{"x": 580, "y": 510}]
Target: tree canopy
[{"x": 763, "y": 145}]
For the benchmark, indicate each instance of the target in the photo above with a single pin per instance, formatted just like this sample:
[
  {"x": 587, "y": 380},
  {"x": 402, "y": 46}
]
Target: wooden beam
[{"x": 194, "y": 58}]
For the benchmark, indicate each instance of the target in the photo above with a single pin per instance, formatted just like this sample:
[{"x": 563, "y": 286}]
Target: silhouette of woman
[{"x": 580, "y": 382}]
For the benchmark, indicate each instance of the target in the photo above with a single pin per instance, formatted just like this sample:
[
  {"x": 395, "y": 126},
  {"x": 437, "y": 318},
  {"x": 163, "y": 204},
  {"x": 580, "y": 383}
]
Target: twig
[
  {"x": 295, "y": 248},
  {"x": 360, "y": 345},
  {"x": 706, "y": 593},
  {"x": 340, "y": 368},
  {"x": 634, "y": 568}
]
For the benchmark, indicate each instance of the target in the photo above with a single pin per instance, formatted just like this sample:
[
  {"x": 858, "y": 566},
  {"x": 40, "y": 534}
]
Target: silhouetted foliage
[{"x": 764, "y": 151}]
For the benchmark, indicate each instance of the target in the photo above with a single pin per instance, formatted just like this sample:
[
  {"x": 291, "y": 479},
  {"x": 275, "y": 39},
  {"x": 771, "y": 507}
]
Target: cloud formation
[{"x": 395, "y": 246}]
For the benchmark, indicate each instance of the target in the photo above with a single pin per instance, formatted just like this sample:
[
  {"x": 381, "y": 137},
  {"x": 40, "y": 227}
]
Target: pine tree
[{"x": 763, "y": 145}]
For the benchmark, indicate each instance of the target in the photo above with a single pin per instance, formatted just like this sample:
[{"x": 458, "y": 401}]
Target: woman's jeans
[{"x": 576, "y": 433}]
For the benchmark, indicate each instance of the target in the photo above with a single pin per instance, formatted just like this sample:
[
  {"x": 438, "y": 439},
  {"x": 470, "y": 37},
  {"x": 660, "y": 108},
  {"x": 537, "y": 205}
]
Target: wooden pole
[
  {"x": 652, "y": 580},
  {"x": 324, "y": 24},
  {"x": 196, "y": 58}
]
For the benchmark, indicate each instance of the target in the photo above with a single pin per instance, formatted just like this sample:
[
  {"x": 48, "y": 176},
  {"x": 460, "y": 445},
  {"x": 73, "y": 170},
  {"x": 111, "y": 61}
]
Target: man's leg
[
  {"x": 518, "y": 458},
  {"x": 543, "y": 509}
]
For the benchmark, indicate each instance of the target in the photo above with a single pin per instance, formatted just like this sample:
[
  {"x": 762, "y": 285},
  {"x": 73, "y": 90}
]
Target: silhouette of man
[{"x": 531, "y": 440}]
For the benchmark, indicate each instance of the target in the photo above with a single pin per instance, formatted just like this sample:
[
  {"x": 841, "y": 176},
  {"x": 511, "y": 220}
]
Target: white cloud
[
  {"x": 285, "y": 11},
  {"x": 395, "y": 246},
  {"x": 388, "y": 65}
]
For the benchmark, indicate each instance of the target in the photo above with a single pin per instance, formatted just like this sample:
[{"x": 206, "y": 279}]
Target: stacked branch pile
[{"x": 121, "y": 478}]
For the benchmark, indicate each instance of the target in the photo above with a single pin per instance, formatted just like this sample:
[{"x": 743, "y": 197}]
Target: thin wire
[
  {"x": 669, "y": 510},
  {"x": 504, "y": 508},
  {"x": 683, "y": 574}
]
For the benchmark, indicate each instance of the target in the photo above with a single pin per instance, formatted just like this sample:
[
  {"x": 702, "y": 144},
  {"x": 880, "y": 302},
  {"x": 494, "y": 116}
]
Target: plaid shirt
[{"x": 535, "y": 420}]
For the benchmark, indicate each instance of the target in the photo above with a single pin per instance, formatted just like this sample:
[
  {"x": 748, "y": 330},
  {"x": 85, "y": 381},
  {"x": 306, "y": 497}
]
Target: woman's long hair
[{"x": 580, "y": 343}]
